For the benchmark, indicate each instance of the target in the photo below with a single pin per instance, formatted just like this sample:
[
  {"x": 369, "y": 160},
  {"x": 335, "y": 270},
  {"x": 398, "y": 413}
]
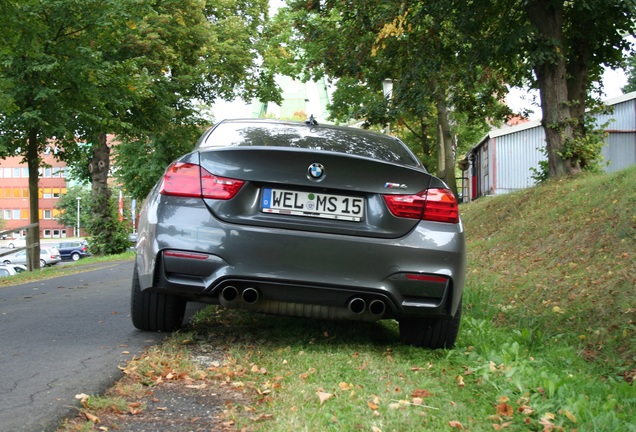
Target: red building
[{"x": 14, "y": 195}]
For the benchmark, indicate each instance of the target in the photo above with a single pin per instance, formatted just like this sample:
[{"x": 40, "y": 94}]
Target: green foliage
[
  {"x": 108, "y": 235},
  {"x": 630, "y": 70},
  {"x": 67, "y": 205},
  {"x": 141, "y": 162}
]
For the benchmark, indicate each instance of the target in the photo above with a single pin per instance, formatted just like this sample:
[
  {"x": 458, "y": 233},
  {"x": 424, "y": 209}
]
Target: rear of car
[
  {"x": 72, "y": 250},
  {"x": 302, "y": 220},
  {"x": 48, "y": 256}
]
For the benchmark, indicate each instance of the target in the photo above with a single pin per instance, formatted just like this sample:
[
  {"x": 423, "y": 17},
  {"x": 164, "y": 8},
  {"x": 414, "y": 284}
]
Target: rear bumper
[{"x": 421, "y": 274}]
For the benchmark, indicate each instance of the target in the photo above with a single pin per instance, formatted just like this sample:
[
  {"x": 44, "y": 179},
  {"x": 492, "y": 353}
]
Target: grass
[
  {"x": 83, "y": 265},
  {"x": 547, "y": 341}
]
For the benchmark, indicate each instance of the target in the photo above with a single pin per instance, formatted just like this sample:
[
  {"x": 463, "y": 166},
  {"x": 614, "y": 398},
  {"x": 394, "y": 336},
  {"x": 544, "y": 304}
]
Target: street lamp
[
  {"x": 387, "y": 89},
  {"x": 78, "y": 216}
]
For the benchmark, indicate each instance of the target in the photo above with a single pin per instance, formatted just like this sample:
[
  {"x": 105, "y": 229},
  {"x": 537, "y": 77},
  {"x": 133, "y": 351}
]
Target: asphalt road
[{"x": 60, "y": 337}]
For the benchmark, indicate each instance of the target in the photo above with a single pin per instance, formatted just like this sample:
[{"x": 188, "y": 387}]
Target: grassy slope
[{"x": 559, "y": 260}]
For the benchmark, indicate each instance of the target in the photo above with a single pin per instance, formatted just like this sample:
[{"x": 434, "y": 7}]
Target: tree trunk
[
  {"x": 578, "y": 71},
  {"x": 101, "y": 207},
  {"x": 446, "y": 153},
  {"x": 553, "y": 86},
  {"x": 33, "y": 234}
]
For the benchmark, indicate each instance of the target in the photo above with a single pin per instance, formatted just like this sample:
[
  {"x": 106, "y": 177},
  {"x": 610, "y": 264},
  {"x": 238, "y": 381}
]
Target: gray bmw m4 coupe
[{"x": 304, "y": 220}]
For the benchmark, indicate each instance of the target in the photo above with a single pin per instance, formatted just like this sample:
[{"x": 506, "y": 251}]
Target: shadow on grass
[{"x": 240, "y": 328}]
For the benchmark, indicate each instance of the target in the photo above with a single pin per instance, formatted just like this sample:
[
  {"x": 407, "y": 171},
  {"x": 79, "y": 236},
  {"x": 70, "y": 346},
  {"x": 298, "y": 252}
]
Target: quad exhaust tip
[
  {"x": 357, "y": 306},
  {"x": 377, "y": 308},
  {"x": 250, "y": 295},
  {"x": 230, "y": 294}
]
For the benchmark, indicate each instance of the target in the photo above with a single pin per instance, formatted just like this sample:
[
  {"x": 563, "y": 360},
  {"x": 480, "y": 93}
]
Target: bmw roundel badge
[{"x": 316, "y": 171}]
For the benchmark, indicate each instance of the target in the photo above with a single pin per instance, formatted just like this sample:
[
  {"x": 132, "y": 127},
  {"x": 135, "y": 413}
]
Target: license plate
[{"x": 312, "y": 204}]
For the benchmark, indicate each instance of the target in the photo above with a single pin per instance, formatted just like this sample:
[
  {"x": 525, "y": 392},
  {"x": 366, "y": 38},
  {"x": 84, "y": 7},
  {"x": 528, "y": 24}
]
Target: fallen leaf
[
  {"x": 324, "y": 396},
  {"x": 263, "y": 417},
  {"x": 83, "y": 398},
  {"x": 420, "y": 393},
  {"x": 418, "y": 401},
  {"x": 345, "y": 386},
  {"x": 455, "y": 424},
  {"x": 570, "y": 416},
  {"x": 460, "y": 381},
  {"x": 372, "y": 405},
  {"x": 505, "y": 410},
  {"x": 91, "y": 418},
  {"x": 135, "y": 411},
  {"x": 525, "y": 410}
]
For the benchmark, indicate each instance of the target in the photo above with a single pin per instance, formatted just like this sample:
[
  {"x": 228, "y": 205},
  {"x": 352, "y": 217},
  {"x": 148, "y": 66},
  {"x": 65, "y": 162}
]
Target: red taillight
[
  {"x": 190, "y": 180},
  {"x": 437, "y": 205}
]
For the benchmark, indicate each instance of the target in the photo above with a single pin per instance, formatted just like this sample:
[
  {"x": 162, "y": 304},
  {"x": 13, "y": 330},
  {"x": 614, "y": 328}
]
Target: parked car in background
[
  {"x": 11, "y": 269},
  {"x": 48, "y": 256},
  {"x": 13, "y": 242},
  {"x": 72, "y": 250},
  {"x": 306, "y": 220}
]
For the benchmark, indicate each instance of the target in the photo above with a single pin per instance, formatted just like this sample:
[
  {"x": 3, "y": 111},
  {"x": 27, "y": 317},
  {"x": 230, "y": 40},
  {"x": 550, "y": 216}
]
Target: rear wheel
[
  {"x": 431, "y": 333},
  {"x": 42, "y": 263},
  {"x": 75, "y": 256},
  {"x": 155, "y": 311}
]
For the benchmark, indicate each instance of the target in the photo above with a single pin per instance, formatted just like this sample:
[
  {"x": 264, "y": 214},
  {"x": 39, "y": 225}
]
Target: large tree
[
  {"x": 362, "y": 43},
  {"x": 35, "y": 45},
  {"x": 75, "y": 71},
  {"x": 560, "y": 47}
]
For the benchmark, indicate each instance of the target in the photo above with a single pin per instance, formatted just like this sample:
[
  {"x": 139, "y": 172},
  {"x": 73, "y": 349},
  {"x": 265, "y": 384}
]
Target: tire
[
  {"x": 6, "y": 262},
  {"x": 11, "y": 246},
  {"x": 433, "y": 333},
  {"x": 155, "y": 311},
  {"x": 42, "y": 263},
  {"x": 75, "y": 256}
]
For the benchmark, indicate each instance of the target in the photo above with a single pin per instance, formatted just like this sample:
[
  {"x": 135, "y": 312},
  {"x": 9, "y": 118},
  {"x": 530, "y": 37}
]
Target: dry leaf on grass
[
  {"x": 91, "y": 418},
  {"x": 323, "y": 396}
]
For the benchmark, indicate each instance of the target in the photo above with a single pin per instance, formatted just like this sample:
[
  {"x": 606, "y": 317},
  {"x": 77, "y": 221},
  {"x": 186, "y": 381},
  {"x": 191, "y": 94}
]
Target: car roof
[{"x": 307, "y": 136}]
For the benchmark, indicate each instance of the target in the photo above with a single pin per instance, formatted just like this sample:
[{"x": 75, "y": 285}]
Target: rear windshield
[{"x": 358, "y": 142}]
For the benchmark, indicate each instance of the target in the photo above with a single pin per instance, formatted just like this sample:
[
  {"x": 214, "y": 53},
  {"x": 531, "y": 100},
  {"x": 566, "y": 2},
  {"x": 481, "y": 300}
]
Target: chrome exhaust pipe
[
  {"x": 357, "y": 305},
  {"x": 250, "y": 295},
  {"x": 377, "y": 308},
  {"x": 229, "y": 295}
]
